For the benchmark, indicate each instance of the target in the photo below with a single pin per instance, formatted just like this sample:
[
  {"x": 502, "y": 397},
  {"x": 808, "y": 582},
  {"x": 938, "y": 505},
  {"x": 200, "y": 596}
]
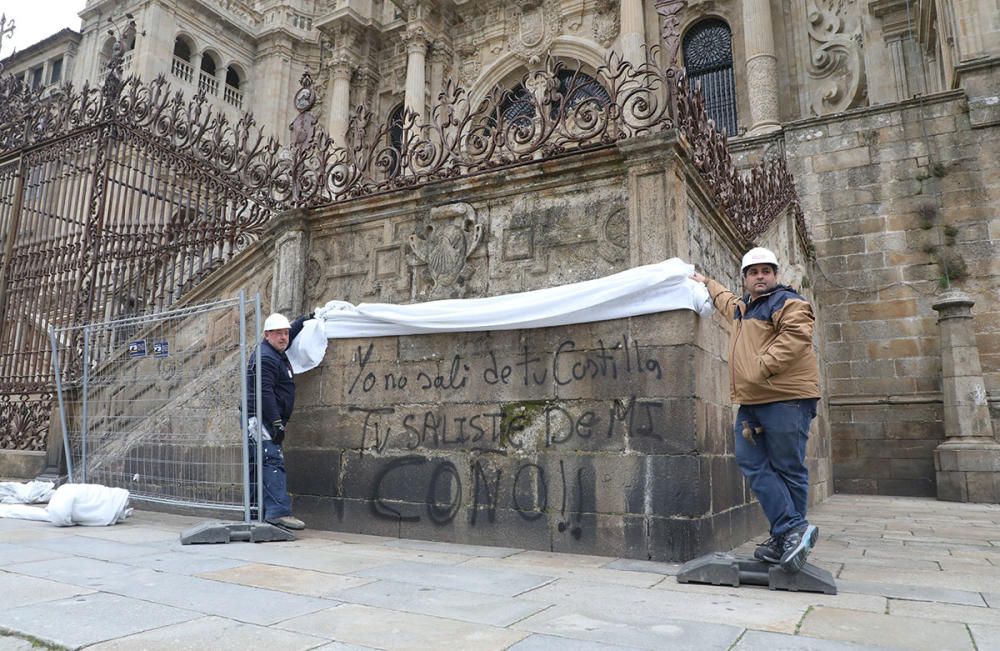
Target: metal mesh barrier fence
[{"x": 154, "y": 404}]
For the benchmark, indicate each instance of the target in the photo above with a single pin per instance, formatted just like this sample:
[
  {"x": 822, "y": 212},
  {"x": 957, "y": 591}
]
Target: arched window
[
  {"x": 181, "y": 67},
  {"x": 232, "y": 92},
  {"x": 206, "y": 78},
  {"x": 182, "y": 50},
  {"x": 395, "y": 138},
  {"x": 708, "y": 58},
  {"x": 575, "y": 88}
]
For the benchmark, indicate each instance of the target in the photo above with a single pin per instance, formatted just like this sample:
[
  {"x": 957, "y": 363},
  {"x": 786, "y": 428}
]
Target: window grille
[{"x": 708, "y": 59}]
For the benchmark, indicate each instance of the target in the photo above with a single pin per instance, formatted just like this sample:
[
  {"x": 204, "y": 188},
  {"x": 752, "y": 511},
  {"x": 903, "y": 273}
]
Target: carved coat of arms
[
  {"x": 445, "y": 246},
  {"x": 531, "y": 27}
]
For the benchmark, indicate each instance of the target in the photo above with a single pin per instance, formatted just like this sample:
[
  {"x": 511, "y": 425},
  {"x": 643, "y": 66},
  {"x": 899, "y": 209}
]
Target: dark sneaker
[
  {"x": 288, "y": 522},
  {"x": 796, "y": 547},
  {"x": 769, "y": 551}
]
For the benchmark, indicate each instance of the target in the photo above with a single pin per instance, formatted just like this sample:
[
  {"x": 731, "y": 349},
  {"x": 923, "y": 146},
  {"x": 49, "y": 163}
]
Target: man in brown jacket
[{"x": 775, "y": 380}]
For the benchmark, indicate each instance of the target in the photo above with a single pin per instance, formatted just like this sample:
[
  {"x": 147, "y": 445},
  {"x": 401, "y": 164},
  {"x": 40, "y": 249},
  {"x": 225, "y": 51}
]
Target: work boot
[
  {"x": 796, "y": 547},
  {"x": 288, "y": 522},
  {"x": 769, "y": 551}
]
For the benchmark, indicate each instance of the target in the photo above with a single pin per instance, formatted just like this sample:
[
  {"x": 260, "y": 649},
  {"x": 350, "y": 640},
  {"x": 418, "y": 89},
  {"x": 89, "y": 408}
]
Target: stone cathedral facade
[{"x": 887, "y": 111}]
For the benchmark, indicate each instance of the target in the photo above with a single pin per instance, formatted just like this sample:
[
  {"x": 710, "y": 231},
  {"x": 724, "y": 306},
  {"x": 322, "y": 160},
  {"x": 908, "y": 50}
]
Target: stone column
[
  {"x": 340, "y": 100},
  {"x": 633, "y": 31},
  {"x": 762, "y": 66},
  {"x": 416, "y": 55},
  {"x": 967, "y": 464}
]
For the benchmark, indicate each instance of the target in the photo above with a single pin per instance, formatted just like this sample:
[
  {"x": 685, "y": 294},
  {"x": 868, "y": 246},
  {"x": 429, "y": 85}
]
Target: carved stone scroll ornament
[
  {"x": 670, "y": 26},
  {"x": 836, "y": 59},
  {"x": 445, "y": 246}
]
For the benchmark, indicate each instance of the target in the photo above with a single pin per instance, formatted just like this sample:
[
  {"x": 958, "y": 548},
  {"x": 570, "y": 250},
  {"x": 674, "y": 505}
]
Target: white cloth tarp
[
  {"x": 90, "y": 505},
  {"x": 13, "y": 492},
  {"x": 643, "y": 290}
]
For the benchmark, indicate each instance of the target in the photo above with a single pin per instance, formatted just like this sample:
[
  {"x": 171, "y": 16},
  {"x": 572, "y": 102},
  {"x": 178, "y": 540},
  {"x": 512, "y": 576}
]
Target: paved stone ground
[{"x": 912, "y": 574}]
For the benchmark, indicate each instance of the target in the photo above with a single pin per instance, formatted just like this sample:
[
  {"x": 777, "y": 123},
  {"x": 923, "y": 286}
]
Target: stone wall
[
  {"x": 609, "y": 438},
  {"x": 894, "y": 196}
]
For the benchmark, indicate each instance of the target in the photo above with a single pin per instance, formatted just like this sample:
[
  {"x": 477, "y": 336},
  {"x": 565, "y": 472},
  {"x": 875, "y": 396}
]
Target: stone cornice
[{"x": 934, "y": 98}]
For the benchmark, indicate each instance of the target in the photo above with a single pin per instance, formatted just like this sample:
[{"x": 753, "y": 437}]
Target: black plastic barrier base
[
  {"x": 213, "y": 533},
  {"x": 725, "y": 569}
]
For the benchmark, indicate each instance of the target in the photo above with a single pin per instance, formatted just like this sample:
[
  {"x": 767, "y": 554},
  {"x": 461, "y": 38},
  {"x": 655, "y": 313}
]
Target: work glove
[{"x": 278, "y": 431}]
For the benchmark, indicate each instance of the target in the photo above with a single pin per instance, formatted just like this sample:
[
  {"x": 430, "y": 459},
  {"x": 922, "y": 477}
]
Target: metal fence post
[
  {"x": 244, "y": 426},
  {"x": 59, "y": 394},
  {"x": 257, "y": 410},
  {"x": 83, "y": 415}
]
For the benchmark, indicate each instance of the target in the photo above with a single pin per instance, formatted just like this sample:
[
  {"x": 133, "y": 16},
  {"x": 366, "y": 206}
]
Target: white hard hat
[
  {"x": 276, "y": 322},
  {"x": 759, "y": 255}
]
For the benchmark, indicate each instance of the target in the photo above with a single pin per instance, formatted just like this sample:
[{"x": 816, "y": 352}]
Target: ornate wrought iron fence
[{"x": 114, "y": 200}]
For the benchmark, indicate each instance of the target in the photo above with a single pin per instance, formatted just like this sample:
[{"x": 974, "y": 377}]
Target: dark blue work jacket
[{"x": 277, "y": 385}]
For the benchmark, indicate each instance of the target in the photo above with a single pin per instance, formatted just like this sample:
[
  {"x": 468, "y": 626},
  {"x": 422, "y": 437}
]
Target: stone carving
[
  {"x": 468, "y": 64},
  {"x": 532, "y": 25},
  {"x": 670, "y": 26},
  {"x": 836, "y": 59},
  {"x": 607, "y": 22},
  {"x": 304, "y": 126},
  {"x": 445, "y": 247},
  {"x": 612, "y": 236}
]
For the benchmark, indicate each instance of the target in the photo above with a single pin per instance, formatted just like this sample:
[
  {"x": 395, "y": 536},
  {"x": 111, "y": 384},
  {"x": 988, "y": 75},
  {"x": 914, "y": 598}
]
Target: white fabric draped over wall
[{"x": 642, "y": 290}]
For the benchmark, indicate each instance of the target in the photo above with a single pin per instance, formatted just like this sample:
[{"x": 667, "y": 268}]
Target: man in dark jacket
[
  {"x": 774, "y": 378},
  {"x": 277, "y": 399}
]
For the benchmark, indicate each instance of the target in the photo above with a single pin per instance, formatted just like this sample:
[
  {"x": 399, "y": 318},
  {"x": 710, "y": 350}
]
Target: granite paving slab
[
  {"x": 87, "y": 619},
  {"x": 746, "y": 609},
  {"x": 630, "y": 628},
  {"x": 128, "y": 532},
  {"x": 915, "y": 592},
  {"x": 335, "y": 560},
  {"x": 987, "y": 637},
  {"x": 214, "y": 633},
  {"x": 87, "y": 547},
  {"x": 946, "y": 612},
  {"x": 653, "y": 567},
  {"x": 10, "y": 642},
  {"x": 889, "y": 631},
  {"x": 253, "y": 605},
  {"x": 849, "y": 600},
  {"x": 388, "y": 629},
  {"x": 181, "y": 563},
  {"x": 992, "y": 599},
  {"x": 454, "y": 548},
  {"x": 464, "y": 606},
  {"x": 287, "y": 579},
  {"x": 640, "y": 579},
  {"x": 11, "y": 553},
  {"x": 460, "y": 577},
  {"x": 764, "y": 641},
  {"x": 18, "y": 590},
  {"x": 539, "y": 642},
  {"x": 932, "y": 579}
]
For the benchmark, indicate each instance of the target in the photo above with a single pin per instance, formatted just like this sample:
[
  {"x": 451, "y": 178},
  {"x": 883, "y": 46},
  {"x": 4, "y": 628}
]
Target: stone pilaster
[
  {"x": 441, "y": 56},
  {"x": 967, "y": 464},
  {"x": 291, "y": 250},
  {"x": 416, "y": 56},
  {"x": 340, "y": 99},
  {"x": 633, "y": 31},
  {"x": 762, "y": 66}
]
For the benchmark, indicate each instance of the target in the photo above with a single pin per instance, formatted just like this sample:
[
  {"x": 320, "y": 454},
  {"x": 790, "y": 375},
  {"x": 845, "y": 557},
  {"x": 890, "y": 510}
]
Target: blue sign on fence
[
  {"x": 137, "y": 348},
  {"x": 160, "y": 349}
]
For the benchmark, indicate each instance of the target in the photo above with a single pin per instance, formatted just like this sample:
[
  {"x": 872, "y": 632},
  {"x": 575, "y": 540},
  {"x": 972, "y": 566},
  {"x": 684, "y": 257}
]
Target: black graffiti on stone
[
  {"x": 504, "y": 427},
  {"x": 569, "y": 364},
  {"x": 440, "y": 500}
]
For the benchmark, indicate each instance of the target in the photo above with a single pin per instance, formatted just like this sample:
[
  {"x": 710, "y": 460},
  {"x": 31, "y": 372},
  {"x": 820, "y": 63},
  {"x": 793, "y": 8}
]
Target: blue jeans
[
  {"x": 277, "y": 503},
  {"x": 774, "y": 463}
]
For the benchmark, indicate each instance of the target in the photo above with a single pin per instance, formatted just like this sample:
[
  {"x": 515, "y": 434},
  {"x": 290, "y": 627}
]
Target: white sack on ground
[
  {"x": 642, "y": 290},
  {"x": 31, "y": 492},
  {"x": 90, "y": 505}
]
